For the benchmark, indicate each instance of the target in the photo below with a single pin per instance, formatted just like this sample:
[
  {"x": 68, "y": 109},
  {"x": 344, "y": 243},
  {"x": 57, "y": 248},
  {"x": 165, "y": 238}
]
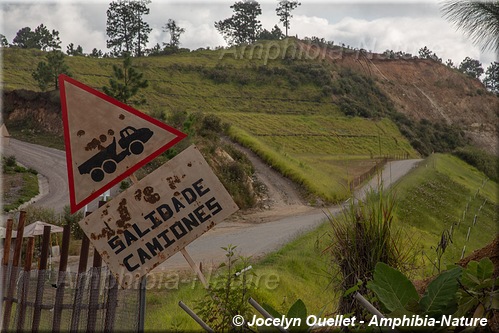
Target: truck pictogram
[{"x": 105, "y": 161}]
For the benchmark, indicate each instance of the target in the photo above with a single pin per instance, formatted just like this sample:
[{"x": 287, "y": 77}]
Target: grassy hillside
[
  {"x": 444, "y": 193},
  {"x": 283, "y": 110}
]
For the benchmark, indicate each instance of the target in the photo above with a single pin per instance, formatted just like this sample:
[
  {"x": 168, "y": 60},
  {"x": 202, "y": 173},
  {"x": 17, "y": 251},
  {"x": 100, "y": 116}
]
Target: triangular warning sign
[{"x": 106, "y": 140}]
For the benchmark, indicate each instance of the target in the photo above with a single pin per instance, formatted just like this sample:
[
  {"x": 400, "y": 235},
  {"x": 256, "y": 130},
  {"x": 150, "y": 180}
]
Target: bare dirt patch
[{"x": 280, "y": 198}]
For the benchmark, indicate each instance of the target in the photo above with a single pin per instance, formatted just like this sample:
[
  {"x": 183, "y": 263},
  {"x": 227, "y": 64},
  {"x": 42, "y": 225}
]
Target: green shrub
[
  {"x": 228, "y": 294},
  {"x": 10, "y": 161},
  {"x": 72, "y": 220},
  {"x": 360, "y": 239},
  {"x": 39, "y": 213},
  {"x": 430, "y": 137},
  {"x": 481, "y": 160}
]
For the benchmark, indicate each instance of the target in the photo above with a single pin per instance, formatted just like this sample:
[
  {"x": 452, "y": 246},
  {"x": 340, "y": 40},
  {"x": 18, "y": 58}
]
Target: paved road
[
  {"x": 259, "y": 239},
  {"x": 51, "y": 163},
  {"x": 252, "y": 239}
]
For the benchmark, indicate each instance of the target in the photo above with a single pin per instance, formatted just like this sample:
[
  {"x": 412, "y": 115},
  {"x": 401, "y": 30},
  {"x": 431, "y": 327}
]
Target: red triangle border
[{"x": 75, "y": 206}]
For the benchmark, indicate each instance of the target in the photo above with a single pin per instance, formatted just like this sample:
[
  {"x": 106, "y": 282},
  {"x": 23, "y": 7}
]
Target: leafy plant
[
  {"x": 72, "y": 220},
  {"x": 398, "y": 295},
  {"x": 297, "y": 310},
  {"x": 9, "y": 161},
  {"x": 227, "y": 296},
  {"x": 478, "y": 295}
]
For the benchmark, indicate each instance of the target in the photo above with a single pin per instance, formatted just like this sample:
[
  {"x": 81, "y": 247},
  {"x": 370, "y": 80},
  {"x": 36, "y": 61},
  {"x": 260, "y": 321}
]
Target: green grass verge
[
  {"x": 29, "y": 190},
  {"x": 428, "y": 200},
  {"x": 298, "y": 270}
]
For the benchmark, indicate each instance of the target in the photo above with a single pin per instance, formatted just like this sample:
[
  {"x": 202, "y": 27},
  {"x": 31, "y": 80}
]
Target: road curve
[
  {"x": 252, "y": 239},
  {"x": 258, "y": 239},
  {"x": 49, "y": 162}
]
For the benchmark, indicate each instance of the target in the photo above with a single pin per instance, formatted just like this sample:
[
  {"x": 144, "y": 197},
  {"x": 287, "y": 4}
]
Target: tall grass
[{"x": 361, "y": 237}]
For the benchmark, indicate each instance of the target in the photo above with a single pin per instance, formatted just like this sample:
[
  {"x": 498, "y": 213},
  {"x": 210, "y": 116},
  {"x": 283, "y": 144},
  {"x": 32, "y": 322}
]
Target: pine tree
[
  {"x": 175, "y": 32},
  {"x": 284, "y": 9},
  {"x": 491, "y": 80},
  {"x": 478, "y": 19},
  {"x": 47, "y": 73},
  {"x": 126, "y": 29},
  {"x": 125, "y": 83},
  {"x": 41, "y": 38},
  {"x": 471, "y": 67}
]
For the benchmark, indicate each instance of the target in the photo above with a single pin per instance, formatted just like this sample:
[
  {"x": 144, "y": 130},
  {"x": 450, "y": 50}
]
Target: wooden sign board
[
  {"x": 106, "y": 140},
  {"x": 159, "y": 216}
]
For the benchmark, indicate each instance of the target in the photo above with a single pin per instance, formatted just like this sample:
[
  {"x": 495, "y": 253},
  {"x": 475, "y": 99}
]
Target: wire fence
[
  {"x": 90, "y": 301},
  {"x": 63, "y": 301}
]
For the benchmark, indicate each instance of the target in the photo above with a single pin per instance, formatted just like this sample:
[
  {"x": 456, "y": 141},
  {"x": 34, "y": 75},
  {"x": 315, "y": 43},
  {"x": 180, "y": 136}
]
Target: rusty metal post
[
  {"x": 142, "y": 304},
  {"x": 5, "y": 269},
  {"x": 7, "y": 242},
  {"x": 93, "y": 303},
  {"x": 6, "y": 254},
  {"x": 111, "y": 303},
  {"x": 22, "y": 302},
  {"x": 37, "y": 308},
  {"x": 143, "y": 283},
  {"x": 80, "y": 283},
  {"x": 13, "y": 273}
]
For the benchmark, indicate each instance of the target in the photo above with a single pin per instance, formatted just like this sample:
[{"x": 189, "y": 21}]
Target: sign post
[{"x": 107, "y": 141}]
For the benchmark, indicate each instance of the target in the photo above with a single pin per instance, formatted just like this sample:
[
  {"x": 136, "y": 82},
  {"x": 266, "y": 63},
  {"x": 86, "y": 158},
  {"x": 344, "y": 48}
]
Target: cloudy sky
[{"x": 399, "y": 25}]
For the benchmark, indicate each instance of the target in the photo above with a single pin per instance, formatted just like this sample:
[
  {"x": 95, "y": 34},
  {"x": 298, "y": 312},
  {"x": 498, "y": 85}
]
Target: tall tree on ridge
[
  {"x": 142, "y": 28},
  {"x": 284, "y": 9},
  {"x": 126, "y": 29},
  {"x": 243, "y": 26},
  {"x": 175, "y": 32}
]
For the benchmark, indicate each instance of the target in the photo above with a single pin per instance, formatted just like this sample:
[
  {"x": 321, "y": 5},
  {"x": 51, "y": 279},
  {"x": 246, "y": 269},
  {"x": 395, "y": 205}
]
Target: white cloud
[
  {"x": 395, "y": 33},
  {"x": 402, "y": 25}
]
